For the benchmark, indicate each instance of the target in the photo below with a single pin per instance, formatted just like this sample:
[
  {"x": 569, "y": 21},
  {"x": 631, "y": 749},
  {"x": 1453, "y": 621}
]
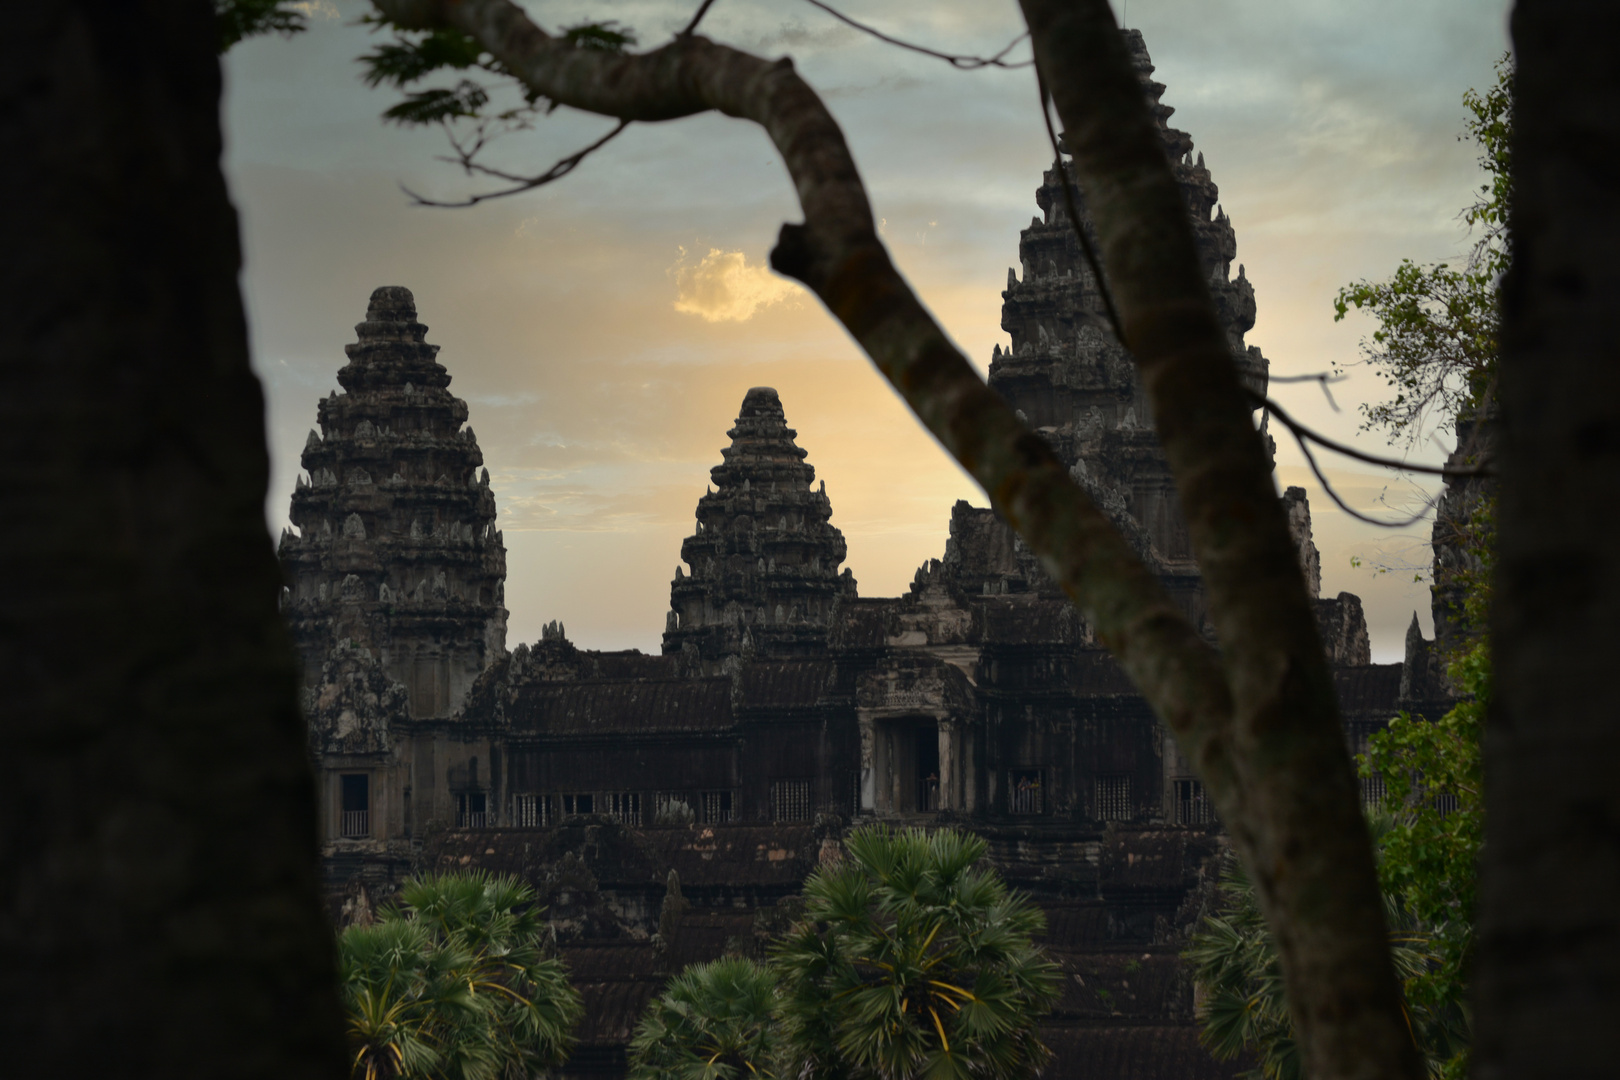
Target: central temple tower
[
  {"x": 1071, "y": 379},
  {"x": 764, "y": 558}
]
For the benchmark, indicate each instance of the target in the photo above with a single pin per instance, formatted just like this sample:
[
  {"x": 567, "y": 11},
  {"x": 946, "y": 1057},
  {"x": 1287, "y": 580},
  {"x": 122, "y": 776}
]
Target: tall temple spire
[
  {"x": 1070, "y": 377},
  {"x": 396, "y": 550},
  {"x": 764, "y": 558}
]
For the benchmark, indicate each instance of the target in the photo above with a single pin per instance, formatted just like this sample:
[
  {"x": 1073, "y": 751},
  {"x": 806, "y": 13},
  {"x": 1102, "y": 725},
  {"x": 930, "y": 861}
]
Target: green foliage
[
  {"x": 603, "y": 37},
  {"x": 1428, "y": 845},
  {"x": 1436, "y": 344},
  {"x": 1476, "y": 539},
  {"x": 910, "y": 961},
  {"x": 415, "y": 55},
  {"x": 1242, "y": 1006},
  {"x": 457, "y": 984},
  {"x": 714, "y": 1021},
  {"x": 1433, "y": 772},
  {"x": 1491, "y": 129},
  {"x": 240, "y": 19}
]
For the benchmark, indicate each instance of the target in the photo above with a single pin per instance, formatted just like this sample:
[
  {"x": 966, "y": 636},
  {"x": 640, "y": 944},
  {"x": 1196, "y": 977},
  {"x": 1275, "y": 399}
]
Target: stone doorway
[{"x": 906, "y": 766}]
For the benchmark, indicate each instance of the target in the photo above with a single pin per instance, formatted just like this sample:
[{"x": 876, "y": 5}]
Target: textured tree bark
[
  {"x": 159, "y": 912},
  {"x": 1548, "y": 982},
  {"x": 1260, "y": 717},
  {"x": 1298, "y": 823}
]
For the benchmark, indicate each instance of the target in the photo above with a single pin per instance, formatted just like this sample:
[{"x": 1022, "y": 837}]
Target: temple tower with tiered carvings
[
  {"x": 396, "y": 549},
  {"x": 764, "y": 560}
]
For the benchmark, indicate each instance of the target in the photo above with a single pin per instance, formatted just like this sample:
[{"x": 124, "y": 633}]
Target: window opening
[
  {"x": 531, "y": 811},
  {"x": 472, "y": 810},
  {"x": 672, "y": 808},
  {"x": 1114, "y": 798},
  {"x": 579, "y": 804},
  {"x": 1026, "y": 791},
  {"x": 355, "y": 819},
  {"x": 623, "y": 806},
  {"x": 1192, "y": 805},
  {"x": 790, "y": 800},
  {"x": 1373, "y": 791},
  {"x": 718, "y": 806}
]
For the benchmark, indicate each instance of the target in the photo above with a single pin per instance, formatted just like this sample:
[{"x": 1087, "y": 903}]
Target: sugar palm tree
[
  {"x": 457, "y": 984},
  {"x": 913, "y": 961},
  {"x": 405, "y": 998},
  {"x": 713, "y": 1022}
]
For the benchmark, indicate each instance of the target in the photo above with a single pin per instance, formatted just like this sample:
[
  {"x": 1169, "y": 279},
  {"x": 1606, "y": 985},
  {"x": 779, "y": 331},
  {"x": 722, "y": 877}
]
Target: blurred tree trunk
[
  {"x": 158, "y": 888},
  {"x": 1548, "y": 985}
]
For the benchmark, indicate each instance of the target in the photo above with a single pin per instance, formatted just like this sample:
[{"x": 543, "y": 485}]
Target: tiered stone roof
[
  {"x": 396, "y": 549},
  {"x": 1068, "y": 374},
  {"x": 764, "y": 558}
]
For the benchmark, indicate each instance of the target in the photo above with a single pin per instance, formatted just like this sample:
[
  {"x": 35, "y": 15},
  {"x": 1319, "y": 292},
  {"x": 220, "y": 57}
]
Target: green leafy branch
[
  {"x": 465, "y": 109},
  {"x": 1436, "y": 344},
  {"x": 1491, "y": 129}
]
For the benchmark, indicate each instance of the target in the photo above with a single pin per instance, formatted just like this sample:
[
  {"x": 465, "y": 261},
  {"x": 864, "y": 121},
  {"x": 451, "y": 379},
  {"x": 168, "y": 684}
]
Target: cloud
[
  {"x": 316, "y": 9},
  {"x": 722, "y": 287},
  {"x": 795, "y": 35}
]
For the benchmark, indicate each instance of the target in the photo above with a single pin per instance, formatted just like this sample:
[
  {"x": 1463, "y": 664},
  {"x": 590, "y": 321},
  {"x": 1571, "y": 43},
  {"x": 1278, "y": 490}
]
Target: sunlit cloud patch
[{"x": 722, "y": 287}]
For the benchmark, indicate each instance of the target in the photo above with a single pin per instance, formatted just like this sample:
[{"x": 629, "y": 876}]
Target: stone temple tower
[
  {"x": 396, "y": 551},
  {"x": 1072, "y": 380},
  {"x": 764, "y": 559}
]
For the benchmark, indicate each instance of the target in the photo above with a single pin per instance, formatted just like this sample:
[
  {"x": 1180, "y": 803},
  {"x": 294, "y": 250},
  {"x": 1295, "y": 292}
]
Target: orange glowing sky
[{"x": 604, "y": 329}]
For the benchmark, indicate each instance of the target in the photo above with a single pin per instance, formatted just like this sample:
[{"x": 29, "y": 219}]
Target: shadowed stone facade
[{"x": 667, "y": 808}]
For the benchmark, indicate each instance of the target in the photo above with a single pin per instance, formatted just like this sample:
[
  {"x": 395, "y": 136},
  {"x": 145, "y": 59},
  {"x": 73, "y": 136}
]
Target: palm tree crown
[
  {"x": 910, "y": 961},
  {"x": 715, "y": 1021},
  {"x": 457, "y": 984}
]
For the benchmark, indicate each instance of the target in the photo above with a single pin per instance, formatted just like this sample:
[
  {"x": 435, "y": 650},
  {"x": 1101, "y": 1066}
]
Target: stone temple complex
[{"x": 667, "y": 808}]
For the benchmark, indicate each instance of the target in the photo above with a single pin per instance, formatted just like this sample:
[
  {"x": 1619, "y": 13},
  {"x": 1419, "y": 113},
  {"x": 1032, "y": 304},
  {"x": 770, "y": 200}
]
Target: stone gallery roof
[
  {"x": 771, "y": 857},
  {"x": 622, "y": 707},
  {"x": 702, "y": 934},
  {"x": 785, "y": 683},
  {"x": 1122, "y": 986},
  {"x": 1366, "y": 691},
  {"x": 1113, "y": 861},
  {"x": 616, "y": 980},
  {"x": 631, "y": 664}
]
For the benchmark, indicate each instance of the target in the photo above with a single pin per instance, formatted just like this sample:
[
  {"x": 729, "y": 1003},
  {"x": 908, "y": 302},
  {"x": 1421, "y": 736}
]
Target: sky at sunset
[{"x": 604, "y": 329}]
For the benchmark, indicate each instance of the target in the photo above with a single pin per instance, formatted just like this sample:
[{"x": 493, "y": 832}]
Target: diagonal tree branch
[
  {"x": 956, "y": 60},
  {"x": 838, "y": 255},
  {"x": 1304, "y": 838},
  {"x": 1260, "y": 718}
]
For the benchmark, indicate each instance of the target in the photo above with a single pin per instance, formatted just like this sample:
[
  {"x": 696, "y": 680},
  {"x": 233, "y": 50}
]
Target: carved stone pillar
[
  {"x": 869, "y": 772},
  {"x": 949, "y": 769}
]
